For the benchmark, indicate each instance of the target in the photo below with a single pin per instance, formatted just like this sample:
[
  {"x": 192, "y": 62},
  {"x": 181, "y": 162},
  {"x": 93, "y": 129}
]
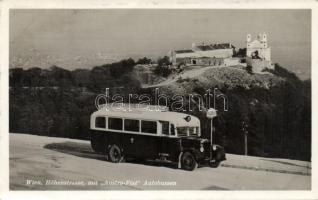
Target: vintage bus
[{"x": 143, "y": 134}]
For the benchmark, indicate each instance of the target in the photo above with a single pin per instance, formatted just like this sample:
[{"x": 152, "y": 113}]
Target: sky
[{"x": 65, "y": 36}]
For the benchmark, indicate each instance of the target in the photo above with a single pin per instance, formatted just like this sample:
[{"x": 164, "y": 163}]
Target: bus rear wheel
[
  {"x": 115, "y": 154},
  {"x": 188, "y": 162}
]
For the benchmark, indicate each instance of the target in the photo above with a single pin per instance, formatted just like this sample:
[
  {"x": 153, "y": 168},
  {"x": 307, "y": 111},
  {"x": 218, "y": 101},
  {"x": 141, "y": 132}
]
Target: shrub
[
  {"x": 249, "y": 69},
  {"x": 163, "y": 71},
  {"x": 144, "y": 61},
  {"x": 164, "y": 61}
]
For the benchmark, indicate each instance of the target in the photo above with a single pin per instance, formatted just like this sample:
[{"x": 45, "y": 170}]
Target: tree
[
  {"x": 16, "y": 76},
  {"x": 60, "y": 77},
  {"x": 122, "y": 67},
  {"x": 249, "y": 69},
  {"x": 163, "y": 71},
  {"x": 162, "y": 68},
  {"x": 81, "y": 77},
  {"x": 241, "y": 53},
  {"x": 144, "y": 61},
  {"x": 164, "y": 61}
]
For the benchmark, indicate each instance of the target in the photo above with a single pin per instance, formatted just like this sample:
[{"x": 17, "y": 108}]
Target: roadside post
[
  {"x": 210, "y": 114},
  {"x": 245, "y": 132}
]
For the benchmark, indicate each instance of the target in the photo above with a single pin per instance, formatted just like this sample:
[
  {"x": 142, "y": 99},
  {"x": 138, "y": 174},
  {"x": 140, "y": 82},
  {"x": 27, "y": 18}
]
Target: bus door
[
  {"x": 145, "y": 143},
  {"x": 169, "y": 146}
]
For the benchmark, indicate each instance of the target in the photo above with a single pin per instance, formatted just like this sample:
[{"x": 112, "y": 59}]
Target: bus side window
[
  {"x": 100, "y": 122},
  {"x": 165, "y": 127},
  {"x": 149, "y": 127},
  {"x": 115, "y": 123},
  {"x": 172, "y": 130},
  {"x": 131, "y": 125}
]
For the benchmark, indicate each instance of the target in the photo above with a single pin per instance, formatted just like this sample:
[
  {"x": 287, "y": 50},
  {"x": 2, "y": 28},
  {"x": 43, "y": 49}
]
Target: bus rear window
[
  {"x": 100, "y": 122},
  {"x": 149, "y": 127},
  {"x": 115, "y": 123}
]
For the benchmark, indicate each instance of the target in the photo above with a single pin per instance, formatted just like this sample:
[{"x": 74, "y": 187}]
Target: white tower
[
  {"x": 264, "y": 37},
  {"x": 264, "y": 40},
  {"x": 248, "y": 38},
  {"x": 258, "y": 53}
]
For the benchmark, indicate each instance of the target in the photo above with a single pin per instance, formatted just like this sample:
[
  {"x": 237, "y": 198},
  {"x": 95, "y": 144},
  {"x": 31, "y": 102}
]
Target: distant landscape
[
  {"x": 276, "y": 105},
  {"x": 72, "y": 39}
]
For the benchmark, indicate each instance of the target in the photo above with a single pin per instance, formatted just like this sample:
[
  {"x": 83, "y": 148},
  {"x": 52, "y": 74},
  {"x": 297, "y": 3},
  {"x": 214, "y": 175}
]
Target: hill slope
[
  {"x": 275, "y": 105},
  {"x": 221, "y": 76}
]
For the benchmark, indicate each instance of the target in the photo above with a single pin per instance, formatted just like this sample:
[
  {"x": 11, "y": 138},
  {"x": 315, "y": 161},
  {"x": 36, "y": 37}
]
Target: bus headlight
[
  {"x": 214, "y": 147},
  {"x": 201, "y": 149}
]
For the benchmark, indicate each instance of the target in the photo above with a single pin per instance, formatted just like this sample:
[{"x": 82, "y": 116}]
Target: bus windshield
[{"x": 188, "y": 131}]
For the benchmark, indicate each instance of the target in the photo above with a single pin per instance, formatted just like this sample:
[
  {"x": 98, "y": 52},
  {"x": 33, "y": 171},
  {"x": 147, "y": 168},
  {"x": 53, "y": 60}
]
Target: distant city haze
[{"x": 86, "y": 38}]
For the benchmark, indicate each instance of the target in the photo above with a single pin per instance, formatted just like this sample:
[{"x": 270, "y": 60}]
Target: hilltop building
[
  {"x": 212, "y": 54},
  {"x": 258, "y": 53}
]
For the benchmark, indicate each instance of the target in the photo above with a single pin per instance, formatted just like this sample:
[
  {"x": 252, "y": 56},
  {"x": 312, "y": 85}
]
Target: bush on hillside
[
  {"x": 144, "y": 61},
  {"x": 249, "y": 69}
]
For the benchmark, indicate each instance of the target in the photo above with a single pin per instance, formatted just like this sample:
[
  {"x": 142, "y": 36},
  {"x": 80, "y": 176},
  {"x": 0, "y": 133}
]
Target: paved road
[{"x": 46, "y": 163}]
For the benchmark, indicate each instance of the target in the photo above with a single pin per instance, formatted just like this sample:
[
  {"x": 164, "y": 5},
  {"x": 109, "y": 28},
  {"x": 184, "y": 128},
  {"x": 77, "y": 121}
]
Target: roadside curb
[{"x": 267, "y": 170}]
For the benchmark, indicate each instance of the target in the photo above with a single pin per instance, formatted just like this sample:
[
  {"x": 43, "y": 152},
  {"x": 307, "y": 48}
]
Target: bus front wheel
[
  {"x": 188, "y": 161},
  {"x": 115, "y": 154},
  {"x": 214, "y": 164}
]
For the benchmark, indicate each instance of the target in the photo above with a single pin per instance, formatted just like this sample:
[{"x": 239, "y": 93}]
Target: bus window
[
  {"x": 100, "y": 122},
  {"x": 183, "y": 131},
  {"x": 172, "y": 131},
  {"x": 115, "y": 123},
  {"x": 131, "y": 125},
  {"x": 165, "y": 127},
  {"x": 149, "y": 127}
]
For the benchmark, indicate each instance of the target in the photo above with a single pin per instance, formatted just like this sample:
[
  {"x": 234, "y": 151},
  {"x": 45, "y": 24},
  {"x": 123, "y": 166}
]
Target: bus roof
[{"x": 178, "y": 119}]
